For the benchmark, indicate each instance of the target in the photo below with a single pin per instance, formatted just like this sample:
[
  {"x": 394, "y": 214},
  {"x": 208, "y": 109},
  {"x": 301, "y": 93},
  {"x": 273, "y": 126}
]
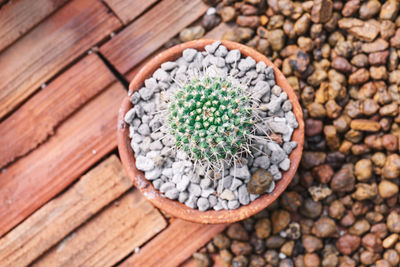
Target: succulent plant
[{"x": 211, "y": 119}]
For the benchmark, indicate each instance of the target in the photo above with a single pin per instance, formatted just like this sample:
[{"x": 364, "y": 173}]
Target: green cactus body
[{"x": 210, "y": 119}]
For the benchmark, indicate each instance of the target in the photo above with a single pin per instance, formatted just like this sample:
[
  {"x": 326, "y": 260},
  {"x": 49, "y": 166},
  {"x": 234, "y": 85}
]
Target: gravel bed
[{"x": 172, "y": 172}]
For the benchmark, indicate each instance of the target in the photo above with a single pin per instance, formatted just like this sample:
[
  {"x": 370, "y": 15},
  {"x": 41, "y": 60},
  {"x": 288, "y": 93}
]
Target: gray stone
[
  {"x": 277, "y": 176},
  {"x": 287, "y": 106},
  {"x": 260, "y": 89},
  {"x": 211, "y": 48},
  {"x": 169, "y": 65},
  {"x": 291, "y": 119},
  {"x": 262, "y": 162},
  {"x": 139, "y": 111},
  {"x": 167, "y": 186},
  {"x": 168, "y": 172},
  {"x": 240, "y": 172},
  {"x": 135, "y": 98},
  {"x": 260, "y": 67},
  {"x": 269, "y": 73},
  {"x": 203, "y": 204},
  {"x": 277, "y": 156},
  {"x": 232, "y": 56},
  {"x": 153, "y": 174},
  {"x": 246, "y": 64},
  {"x": 172, "y": 194},
  {"x": 149, "y": 107},
  {"x": 189, "y": 54},
  {"x": 227, "y": 181},
  {"x": 157, "y": 183},
  {"x": 235, "y": 184},
  {"x": 227, "y": 194},
  {"x": 207, "y": 191},
  {"x": 274, "y": 104},
  {"x": 285, "y": 164},
  {"x": 194, "y": 189},
  {"x": 191, "y": 202},
  {"x": 161, "y": 75},
  {"x": 253, "y": 197},
  {"x": 218, "y": 206},
  {"x": 205, "y": 182},
  {"x": 233, "y": 204},
  {"x": 273, "y": 169},
  {"x": 276, "y": 90},
  {"x": 152, "y": 84},
  {"x": 220, "y": 186},
  {"x": 278, "y": 127},
  {"x": 156, "y": 145},
  {"x": 183, "y": 196},
  {"x": 130, "y": 115},
  {"x": 144, "y": 129},
  {"x": 289, "y": 146},
  {"x": 136, "y": 123},
  {"x": 244, "y": 197},
  {"x": 224, "y": 204},
  {"x": 221, "y": 51},
  {"x": 144, "y": 164},
  {"x": 183, "y": 183},
  {"x": 145, "y": 119},
  {"x": 212, "y": 199},
  {"x": 271, "y": 188},
  {"x": 176, "y": 178}
]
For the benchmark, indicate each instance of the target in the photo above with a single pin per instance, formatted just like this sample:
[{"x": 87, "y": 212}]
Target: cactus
[{"x": 211, "y": 119}]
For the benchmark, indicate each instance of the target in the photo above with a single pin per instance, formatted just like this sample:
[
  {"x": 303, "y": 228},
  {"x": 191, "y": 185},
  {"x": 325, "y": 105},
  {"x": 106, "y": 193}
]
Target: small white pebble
[
  {"x": 282, "y": 256},
  {"x": 43, "y": 86},
  {"x": 94, "y": 151},
  {"x": 3, "y": 170},
  {"x": 137, "y": 250},
  {"x": 211, "y": 11}
]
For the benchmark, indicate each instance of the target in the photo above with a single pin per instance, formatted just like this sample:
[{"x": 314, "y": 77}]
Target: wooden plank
[
  {"x": 18, "y": 17},
  {"x": 36, "y": 120},
  {"x": 175, "y": 244},
  {"x": 78, "y": 143},
  {"x": 50, "y": 47},
  {"x": 151, "y": 31},
  {"x": 55, "y": 220},
  {"x": 128, "y": 10},
  {"x": 110, "y": 236}
]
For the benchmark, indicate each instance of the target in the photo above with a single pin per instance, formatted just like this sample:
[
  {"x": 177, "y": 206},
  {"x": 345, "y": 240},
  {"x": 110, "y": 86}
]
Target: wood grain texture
[
  {"x": 78, "y": 143},
  {"x": 110, "y": 236},
  {"x": 151, "y": 31},
  {"x": 50, "y": 47},
  {"x": 175, "y": 244},
  {"x": 18, "y": 17},
  {"x": 55, "y": 220},
  {"x": 128, "y": 10},
  {"x": 37, "y": 119}
]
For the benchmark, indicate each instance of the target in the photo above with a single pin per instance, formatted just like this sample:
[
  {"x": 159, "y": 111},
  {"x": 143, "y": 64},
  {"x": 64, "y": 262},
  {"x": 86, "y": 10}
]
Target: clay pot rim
[{"x": 174, "y": 207}]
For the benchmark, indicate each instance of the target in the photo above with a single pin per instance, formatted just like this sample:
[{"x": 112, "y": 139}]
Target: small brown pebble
[
  {"x": 274, "y": 242},
  {"x": 347, "y": 244},
  {"x": 336, "y": 209},
  {"x": 259, "y": 181},
  {"x": 389, "y": 110},
  {"x": 240, "y": 261},
  {"x": 256, "y": 261},
  {"x": 341, "y": 64},
  {"x": 228, "y": 13},
  {"x": 287, "y": 248},
  {"x": 369, "y": 107},
  {"x": 391, "y": 169},
  {"x": 389, "y": 9},
  {"x": 319, "y": 193},
  {"x": 378, "y": 58},
  {"x": 389, "y": 241},
  {"x": 302, "y": 24},
  {"x": 376, "y": 46},
  {"x": 390, "y": 142},
  {"x": 360, "y": 227},
  {"x": 342, "y": 123},
  {"x": 311, "y": 209},
  {"x": 276, "y": 38},
  {"x": 291, "y": 200},
  {"x": 313, "y": 127},
  {"x": 393, "y": 222},
  {"x": 378, "y": 72},
  {"x": 311, "y": 243},
  {"x": 387, "y": 189},
  {"x": 392, "y": 257},
  {"x": 221, "y": 241},
  {"x": 280, "y": 220},
  {"x": 311, "y": 159},
  {"x": 365, "y": 191},
  {"x": 346, "y": 261},
  {"x": 323, "y": 173},
  {"x": 343, "y": 180},
  {"x": 236, "y": 231},
  {"x": 272, "y": 257},
  {"x": 382, "y": 263},
  {"x": 333, "y": 110},
  {"x": 387, "y": 29},
  {"x": 331, "y": 137},
  {"x": 263, "y": 228},
  {"x": 226, "y": 257},
  {"x": 324, "y": 227},
  {"x": 395, "y": 40},
  {"x": 363, "y": 170},
  {"x": 372, "y": 242},
  {"x": 369, "y": 9},
  {"x": 321, "y": 11},
  {"x": 240, "y": 248},
  {"x": 201, "y": 259},
  {"x": 316, "y": 110},
  {"x": 367, "y": 257},
  {"x": 248, "y": 21},
  {"x": 350, "y": 7},
  {"x": 365, "y": 125},
  {"x": 347, "y": 220},
  {"x": 311, "y": 260},
  {"x": 360, "y": 60}
]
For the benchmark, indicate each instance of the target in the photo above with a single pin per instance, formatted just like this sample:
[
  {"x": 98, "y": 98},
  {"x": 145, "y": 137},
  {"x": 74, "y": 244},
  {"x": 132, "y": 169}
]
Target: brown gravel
[{"x": 342, "y": 59}]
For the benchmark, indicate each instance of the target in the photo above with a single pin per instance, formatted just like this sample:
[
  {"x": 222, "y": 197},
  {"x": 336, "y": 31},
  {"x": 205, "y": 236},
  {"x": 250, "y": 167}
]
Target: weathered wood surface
[
  {"x": 19, "y": 16},
  {"x": 78, "y": 143},
  {"x": 150, "y": 32},
  {"x": 128, "y": 10},
  {"x": 37, "y": 119},
  {"x": 55, "y": 220},
  {"x": 50, "y": 47},
  {"x": 110, "y": 236},
  {"x": 174, "y": 245}
]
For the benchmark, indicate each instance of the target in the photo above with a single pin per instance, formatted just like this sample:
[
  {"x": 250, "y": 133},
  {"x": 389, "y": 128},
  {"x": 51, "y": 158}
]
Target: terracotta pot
[{"x": 176, "y": 208}]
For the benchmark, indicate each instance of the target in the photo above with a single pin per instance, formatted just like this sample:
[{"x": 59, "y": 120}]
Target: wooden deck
[{"x": 65, "y": 199}]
